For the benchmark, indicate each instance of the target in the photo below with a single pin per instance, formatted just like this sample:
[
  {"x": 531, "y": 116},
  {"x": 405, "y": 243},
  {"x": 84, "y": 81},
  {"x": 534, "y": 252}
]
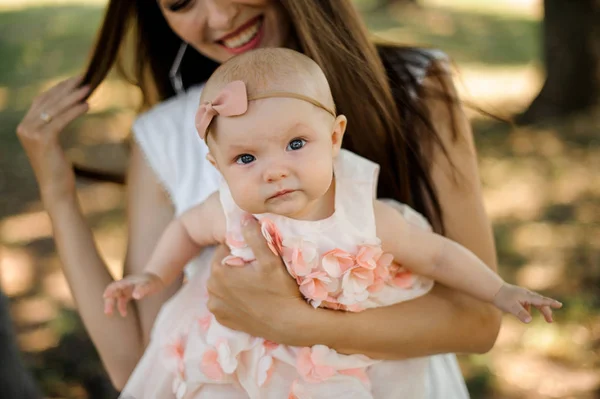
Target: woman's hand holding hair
[{"x": 39, "y": 134}]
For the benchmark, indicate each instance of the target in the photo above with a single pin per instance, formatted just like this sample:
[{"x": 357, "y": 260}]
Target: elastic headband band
[{"x": 233, "y": 101}]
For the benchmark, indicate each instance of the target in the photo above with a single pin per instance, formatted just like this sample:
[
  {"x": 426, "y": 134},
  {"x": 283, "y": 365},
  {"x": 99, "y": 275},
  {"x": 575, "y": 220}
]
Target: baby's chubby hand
[
  {"x": 518, "y": 301},
  {"x": 135, "y": 286}
]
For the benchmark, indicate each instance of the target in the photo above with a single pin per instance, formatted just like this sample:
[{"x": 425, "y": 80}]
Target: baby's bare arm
[
  {"x": 453, "y": 265},
  {"x": 205, "y": 222},
  {"x": 201, "y": 226},
  {"x": 432, "y": 255},
  {"x": 183, "y": 239}
]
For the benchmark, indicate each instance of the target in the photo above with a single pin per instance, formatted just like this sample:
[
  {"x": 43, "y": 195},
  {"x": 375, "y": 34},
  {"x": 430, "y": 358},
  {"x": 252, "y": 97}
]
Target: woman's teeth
[{"x": 243, "y": 37}]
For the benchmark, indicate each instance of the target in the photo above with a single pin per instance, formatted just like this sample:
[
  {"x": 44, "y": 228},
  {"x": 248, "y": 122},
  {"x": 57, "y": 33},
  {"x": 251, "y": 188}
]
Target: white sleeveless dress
[{"x": 169, "y": 140}]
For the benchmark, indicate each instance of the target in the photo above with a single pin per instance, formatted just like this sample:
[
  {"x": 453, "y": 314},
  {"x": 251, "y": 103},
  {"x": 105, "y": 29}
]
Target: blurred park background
[{"x": 541, "y": 181}]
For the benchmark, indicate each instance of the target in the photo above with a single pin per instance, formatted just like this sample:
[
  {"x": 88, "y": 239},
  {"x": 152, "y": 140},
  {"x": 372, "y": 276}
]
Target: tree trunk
[
  {"x": 15, "y": 380},
  {"x": 571, "y": 35}
]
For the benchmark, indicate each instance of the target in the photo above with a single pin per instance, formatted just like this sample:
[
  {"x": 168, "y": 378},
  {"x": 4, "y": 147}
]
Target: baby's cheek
[
  {"x": 319, "y": 177},
  {"x": 246, "y": 196}
]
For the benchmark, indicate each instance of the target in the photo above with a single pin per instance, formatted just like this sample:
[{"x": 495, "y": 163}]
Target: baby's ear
[
  {"x": 211, "y": 159},
  {"x": 337, "y": 134}
]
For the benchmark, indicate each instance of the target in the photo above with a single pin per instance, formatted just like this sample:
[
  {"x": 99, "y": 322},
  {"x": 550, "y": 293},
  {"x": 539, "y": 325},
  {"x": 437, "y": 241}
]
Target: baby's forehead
[{"x": 268, "y": 118}]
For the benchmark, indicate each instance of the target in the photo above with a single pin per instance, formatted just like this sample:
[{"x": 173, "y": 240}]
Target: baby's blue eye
[
  {"x": 245, "y": 159},
  {"x": 296, "y": 144}
]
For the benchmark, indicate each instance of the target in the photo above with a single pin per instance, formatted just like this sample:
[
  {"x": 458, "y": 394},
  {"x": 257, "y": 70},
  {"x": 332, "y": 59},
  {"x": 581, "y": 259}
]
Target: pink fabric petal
[
  {"x": 385, "y": 260},
  {"x": 355, "y": 308},
  {"x": 233, "y": 261},
  {"x": 179, "y": 387},
  {"x": 381, "y": 275},
  {"x": 226, "y": 359},
  {"x": 368, "y": 255},
  {"x": 297, "y": 391},
  {"x": 264, "y": 370},
  {"x": 271, "y": 233},
  {"x": 176, "y": 351},
  {"x": 403, "y": 280},
  {"x": 309, "y": 370},
  {"x": 359, "y": 373},
  {"x": 315, "y": 286},
  {"x": 204, "y": 322},
  {"x": 270, "y": 345},
  {"x": 336, "y": 262},
  {"x": 300, "y": 256},
  {"x": 234, "y": 240},
  {"x": 210, "y": 365}
]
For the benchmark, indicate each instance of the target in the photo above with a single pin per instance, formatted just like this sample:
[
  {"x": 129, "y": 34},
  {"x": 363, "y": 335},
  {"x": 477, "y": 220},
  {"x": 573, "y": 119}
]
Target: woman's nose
[{"x": 220, "y": 14}]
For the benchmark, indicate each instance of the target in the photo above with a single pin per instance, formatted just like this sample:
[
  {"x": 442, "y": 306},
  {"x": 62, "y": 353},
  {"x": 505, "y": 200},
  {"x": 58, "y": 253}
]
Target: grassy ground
[{"x": 541, "y": 184}]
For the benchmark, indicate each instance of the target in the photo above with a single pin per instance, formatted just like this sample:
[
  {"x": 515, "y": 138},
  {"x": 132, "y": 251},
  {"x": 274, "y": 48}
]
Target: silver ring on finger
[{"x": 44, "y": 116}]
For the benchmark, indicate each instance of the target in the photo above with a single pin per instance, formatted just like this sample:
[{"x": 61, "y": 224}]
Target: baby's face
[{"x": 278, "y": 157}]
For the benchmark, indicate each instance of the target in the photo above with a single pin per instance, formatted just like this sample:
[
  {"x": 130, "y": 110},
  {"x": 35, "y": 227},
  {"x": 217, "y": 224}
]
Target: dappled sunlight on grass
[
  {"x": 542, "y": 274},
  {"x": 25, "y": 227},
  {"x": 3, "y": 98},
  {"x": 522, "y": 8},
  {"x": 533, "y": 376},
  {"x": 38, "y": 339},
  {"x": 55, "y": 285},
  {"x": 502, "y": 90},
  {"x": 541, "y": 187},
  {"x": 17, "y": 274},
  {"x": 34, "y": 310},
  {"x": 467, "y": 37}
]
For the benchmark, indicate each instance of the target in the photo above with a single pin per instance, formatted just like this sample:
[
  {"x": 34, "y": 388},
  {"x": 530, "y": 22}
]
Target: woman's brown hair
[{"x": 372, "y": 86}]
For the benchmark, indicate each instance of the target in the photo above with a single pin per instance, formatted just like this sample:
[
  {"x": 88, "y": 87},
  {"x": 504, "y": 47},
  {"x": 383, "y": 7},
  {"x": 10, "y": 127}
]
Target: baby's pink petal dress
[{"x": 338, "y": 263}]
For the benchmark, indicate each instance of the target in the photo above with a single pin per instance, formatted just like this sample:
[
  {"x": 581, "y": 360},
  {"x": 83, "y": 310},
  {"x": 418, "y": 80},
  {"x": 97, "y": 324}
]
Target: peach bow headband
[{"x": 233, "y": 101}]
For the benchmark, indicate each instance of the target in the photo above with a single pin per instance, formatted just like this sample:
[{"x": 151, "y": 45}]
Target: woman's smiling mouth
[{"x": 247, "y": 37}]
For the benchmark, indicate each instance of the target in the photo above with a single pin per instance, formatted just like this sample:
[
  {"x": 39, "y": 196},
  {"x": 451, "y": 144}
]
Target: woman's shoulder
[
  {"x": 172, "y": 112},
  {"x": 167, "y": 136}
]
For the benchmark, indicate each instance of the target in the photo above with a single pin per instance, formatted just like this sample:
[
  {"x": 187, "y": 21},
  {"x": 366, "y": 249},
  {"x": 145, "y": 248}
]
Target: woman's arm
[
  {"x": 263, "y": 300},
  {"x": 441, "y": 322},
  {"x": 149, "y": 212},
  {"x": 118, "y": 340}
]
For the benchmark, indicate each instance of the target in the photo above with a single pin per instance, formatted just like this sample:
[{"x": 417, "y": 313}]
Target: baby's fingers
[
  {"x": 111, "y": 294},
  {"x": 123, "y": 300},
  {"x": 522, "y": 314},
  {"x": 109, "y": 305},
  {"x": 547, "y": 312},
  {"x": 142, "y": 289},
  {"x": 538, "y": 300},
  {"x": 112, "y": 290},
  {"x": 125, "y": 288}
]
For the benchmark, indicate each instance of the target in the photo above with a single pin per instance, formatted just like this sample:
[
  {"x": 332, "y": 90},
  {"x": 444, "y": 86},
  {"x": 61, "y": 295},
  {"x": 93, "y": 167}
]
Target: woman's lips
[{"x": 247, "y": 37}]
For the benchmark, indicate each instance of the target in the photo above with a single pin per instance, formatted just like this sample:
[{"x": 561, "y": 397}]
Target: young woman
[{"x": 426, "y": 162}]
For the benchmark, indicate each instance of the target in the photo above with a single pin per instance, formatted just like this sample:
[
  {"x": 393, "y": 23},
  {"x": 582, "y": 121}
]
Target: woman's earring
[{"x": 175, "y": 73}]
